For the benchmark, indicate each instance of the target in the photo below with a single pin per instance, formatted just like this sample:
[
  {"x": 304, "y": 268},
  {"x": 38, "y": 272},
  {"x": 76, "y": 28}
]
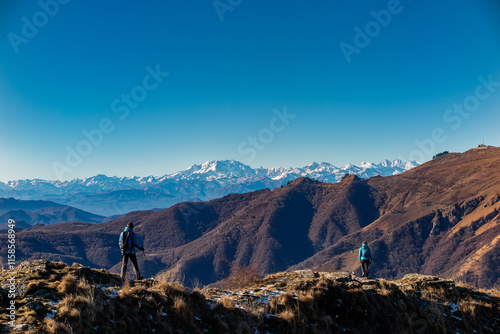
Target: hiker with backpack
[
  {"x": 365, "y": 257},
  {"x": 129, "y": 245}
]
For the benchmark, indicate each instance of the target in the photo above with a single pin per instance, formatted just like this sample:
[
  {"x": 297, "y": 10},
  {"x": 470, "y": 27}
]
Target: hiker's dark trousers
[
  {"x": 365, "y": 264},
  {"x": 132, "y": 258}
]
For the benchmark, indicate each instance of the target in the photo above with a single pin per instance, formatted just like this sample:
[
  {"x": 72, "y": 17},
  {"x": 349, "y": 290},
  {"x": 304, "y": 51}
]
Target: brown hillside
[{"x": 441, "y": 217}]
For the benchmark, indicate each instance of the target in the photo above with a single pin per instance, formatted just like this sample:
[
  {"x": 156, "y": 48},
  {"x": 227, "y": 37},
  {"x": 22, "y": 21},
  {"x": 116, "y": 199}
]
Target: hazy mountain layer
[
  {"x": 28, "y": 213},
  {"x": 117, "y": 195}
]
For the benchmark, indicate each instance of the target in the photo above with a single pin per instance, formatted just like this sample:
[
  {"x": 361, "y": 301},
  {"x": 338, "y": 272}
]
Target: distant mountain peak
[{"x": 106, "y": 195}]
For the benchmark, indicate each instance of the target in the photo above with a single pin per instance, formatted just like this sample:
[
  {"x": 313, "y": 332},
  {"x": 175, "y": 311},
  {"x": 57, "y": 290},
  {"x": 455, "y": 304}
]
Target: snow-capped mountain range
[{"x": 117, "y": 195}]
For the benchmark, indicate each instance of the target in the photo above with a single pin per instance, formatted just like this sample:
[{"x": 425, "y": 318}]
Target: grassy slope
[{"x": 56, "y": 298}]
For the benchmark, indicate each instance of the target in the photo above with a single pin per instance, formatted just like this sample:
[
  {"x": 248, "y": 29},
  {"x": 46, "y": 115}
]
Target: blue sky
[{"x": 233, "y": 66}]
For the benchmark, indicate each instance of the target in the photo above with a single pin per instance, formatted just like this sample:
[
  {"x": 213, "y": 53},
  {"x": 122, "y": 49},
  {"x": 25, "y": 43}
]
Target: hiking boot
[{"x": 140, "y": 277}]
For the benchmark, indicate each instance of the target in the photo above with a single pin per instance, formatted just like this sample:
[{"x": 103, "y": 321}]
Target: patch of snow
[
  {"x": 111, "y": 292},
  {"x": 54, "y": 307},
  {"x": 454, "y": 307},
  {"x": 51, "y": 314},
  {"x": 54, "y": 304}
]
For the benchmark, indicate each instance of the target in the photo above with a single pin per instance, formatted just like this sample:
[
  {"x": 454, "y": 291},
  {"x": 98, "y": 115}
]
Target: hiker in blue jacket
[
  {"x": 365, "y": 257},
  {"x": 129, "y": 245}
]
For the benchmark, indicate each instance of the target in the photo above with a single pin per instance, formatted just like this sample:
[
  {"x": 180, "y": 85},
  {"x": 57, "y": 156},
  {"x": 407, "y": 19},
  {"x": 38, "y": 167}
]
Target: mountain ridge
[
  {"x": 108, "y": 196},
  {"x": 31, "y": 213}
]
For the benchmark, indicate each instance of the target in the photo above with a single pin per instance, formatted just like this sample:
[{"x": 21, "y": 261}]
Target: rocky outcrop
[{"x": 74, "y": 299}]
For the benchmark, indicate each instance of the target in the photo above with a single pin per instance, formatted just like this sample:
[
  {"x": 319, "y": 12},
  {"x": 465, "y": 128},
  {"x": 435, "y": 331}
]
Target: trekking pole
[{"x": 147, "y": 263}]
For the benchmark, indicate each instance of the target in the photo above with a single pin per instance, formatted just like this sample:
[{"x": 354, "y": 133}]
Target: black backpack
[
  {"x": 365, "y": 252},
  {"x": 125, "y": 245}
]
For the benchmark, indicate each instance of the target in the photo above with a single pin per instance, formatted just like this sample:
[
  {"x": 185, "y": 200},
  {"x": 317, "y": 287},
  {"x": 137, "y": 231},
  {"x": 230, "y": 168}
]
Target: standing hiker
[
  {"x": 365, "y": 257},
  {"x": 129, "y": 244}
]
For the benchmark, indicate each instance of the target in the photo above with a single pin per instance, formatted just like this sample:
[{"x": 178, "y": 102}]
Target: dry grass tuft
[
  {"x": 434, "y": 294},
  {"x": 273, "y": 305},
  {"x": 126, "y": 289},
  {"x": 385, "y": 287},
  {"x": 198, "y": 291},
  {"x": 66, "y": 309},
  {"x": 306, "y": 298},
  {"x": 286, "y": 299},
  {"x": 177, "y": 286},
  {"x": 58, "y": 265},
  {"x": 287, "y": 315},
  {"x": 83, "y": 285},
  {"x": 468, "y": 306},
  {"x": 67, "y": 285},
  {"x": 183, "y": 309},
  {"x": 227, "y": 303},
  {"x": 241, "y": 277},
  {"x": 196, "y": 284},
  {"x": 179, "y": 304},
  {"x": 161, "y": 284},
  {"x": 80, "y": 311},
  {"x": 54, "y": 327},
  {"x": 256, "y": 311},
  {"x": 33, "y": 287},
  {"x": 170, "y": 277},
  {"x": 494, "y": 293}
]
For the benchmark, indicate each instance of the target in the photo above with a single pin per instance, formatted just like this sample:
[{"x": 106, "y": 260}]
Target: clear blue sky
[{"x": 229, "y": 68}]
